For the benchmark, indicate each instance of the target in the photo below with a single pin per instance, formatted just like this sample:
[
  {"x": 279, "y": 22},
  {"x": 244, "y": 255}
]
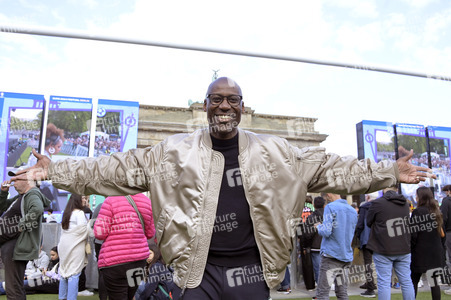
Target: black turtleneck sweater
[{"x": 233, "y": 242}]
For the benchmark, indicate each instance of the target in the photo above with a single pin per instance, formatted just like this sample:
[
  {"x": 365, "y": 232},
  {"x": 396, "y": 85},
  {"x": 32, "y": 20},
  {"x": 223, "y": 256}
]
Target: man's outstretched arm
[{"x": 124, "y": 173}]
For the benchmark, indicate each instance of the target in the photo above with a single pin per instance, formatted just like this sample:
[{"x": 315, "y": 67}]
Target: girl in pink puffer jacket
[{"x": 125, "y": 245}]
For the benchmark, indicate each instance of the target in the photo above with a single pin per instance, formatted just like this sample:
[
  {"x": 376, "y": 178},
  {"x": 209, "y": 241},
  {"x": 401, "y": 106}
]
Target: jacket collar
[{"x": 243, "y": 139}]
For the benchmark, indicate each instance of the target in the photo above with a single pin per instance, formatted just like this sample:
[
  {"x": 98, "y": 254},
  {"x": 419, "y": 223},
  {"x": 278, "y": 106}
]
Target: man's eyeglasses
[{"x": 233, "y": 100}]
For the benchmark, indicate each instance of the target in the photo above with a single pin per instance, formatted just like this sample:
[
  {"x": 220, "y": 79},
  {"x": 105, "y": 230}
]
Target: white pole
[{"x": 66, "y": 33}]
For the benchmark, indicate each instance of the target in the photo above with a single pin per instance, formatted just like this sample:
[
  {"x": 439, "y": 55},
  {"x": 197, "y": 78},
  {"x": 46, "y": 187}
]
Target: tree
[{"x": 74, "y": 122}]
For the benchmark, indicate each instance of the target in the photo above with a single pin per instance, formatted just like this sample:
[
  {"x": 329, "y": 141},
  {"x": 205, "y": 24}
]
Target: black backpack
[
  {"x": 157, "y": 286},
  {"x": 163, "y": 291}
]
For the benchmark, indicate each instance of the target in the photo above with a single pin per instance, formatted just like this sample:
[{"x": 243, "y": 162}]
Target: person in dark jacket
[
  {"x": 388, "y": 218},
  {"x": 312, "y": 239},
  {"x": 363, "y": 233},
  {"x": 306, "y": 258},
  {"x": 20, "y": 238},
  {"x": 158, "y": 283},
  {"x": 445, "y": 208},
  {"x": 427, "y": 239}
]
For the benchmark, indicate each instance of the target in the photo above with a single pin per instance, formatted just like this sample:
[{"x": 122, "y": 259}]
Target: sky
[{"x": 402, "y": 34}]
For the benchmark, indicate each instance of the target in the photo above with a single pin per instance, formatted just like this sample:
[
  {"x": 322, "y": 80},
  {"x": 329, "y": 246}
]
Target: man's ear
[
  {"x": 205, "y": 104},
  {"x": 243, "y": 108}
]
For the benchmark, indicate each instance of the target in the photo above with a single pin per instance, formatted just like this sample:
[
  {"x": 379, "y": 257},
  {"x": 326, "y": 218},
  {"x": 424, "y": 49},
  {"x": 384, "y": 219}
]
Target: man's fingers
[
  {"x": 404, "y": 152},
  {"x": 423, "y": 169},
  {"x": 406, "y": 155},
  {"x": 423, "y": 175},
  {"x": 21, "y": 172},
  {"x": 36, "y": 154}
]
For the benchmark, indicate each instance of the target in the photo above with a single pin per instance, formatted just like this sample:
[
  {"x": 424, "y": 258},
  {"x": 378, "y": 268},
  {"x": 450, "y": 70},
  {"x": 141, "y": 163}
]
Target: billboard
[
  {"x": 21, "y": 125},
  {"x": 380, "y": 140},
  {"x": 116, "y": 126},
  {"x": 66, "y": 133}
]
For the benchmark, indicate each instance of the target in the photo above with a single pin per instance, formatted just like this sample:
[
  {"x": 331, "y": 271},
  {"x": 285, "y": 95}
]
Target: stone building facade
[{"x": 158, "y": 122}]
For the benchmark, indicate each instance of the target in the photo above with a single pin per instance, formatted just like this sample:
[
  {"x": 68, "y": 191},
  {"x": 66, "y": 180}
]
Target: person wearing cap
[
  {"x": 224, "y": 197},
  {"x": 20, "y": 238}
]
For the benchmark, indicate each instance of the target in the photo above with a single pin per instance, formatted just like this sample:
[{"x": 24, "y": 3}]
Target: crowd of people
[
  {"x": 393, "y": 239},
  {"x": 248, "y": 186},
  {"x": 106, "y": 145},
  {"x": 124, "y": 223}
]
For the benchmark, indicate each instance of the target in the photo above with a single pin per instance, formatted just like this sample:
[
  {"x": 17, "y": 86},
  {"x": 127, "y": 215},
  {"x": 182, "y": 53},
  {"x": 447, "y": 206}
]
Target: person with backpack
[
  {"x": 158, "y": 284},
  {"x": 21, "y": 229},
  {"x": 124, "y": 223}
]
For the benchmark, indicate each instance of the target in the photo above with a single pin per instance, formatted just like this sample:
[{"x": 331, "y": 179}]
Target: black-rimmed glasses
[{"x": 233, "y": 100}]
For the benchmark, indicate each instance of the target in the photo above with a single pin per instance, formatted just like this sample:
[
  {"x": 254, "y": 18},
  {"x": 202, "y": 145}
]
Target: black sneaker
[
  {"x": 284, "y": 291},
  {"x": 368, "y": 294},
  {"x": 364, "y": 286}
]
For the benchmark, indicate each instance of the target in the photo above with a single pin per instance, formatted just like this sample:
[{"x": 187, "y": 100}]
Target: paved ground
[{"x": 352, "y": 290}]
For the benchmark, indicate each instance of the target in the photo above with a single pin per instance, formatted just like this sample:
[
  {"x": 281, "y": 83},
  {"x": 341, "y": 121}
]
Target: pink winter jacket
[{"x": 119, "y": 226}]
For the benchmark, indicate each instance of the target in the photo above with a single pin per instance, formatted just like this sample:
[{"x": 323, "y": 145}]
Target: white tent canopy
[
  {"x": 433, "y": 154},
  {"x": 98, "y": 133}
]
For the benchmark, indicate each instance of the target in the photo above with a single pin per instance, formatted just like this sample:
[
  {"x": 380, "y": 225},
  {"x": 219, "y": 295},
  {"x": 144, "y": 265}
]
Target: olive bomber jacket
[{"x": 183, "y": 174}]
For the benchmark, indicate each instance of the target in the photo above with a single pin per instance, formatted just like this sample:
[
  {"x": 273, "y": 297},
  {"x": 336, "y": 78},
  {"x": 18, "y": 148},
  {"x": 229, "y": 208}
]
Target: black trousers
[
  {"x": 101, "y": 285},
  {"x": 14, "y": 272},
  {"x": 118, "y": 282},
  {"x": 223, "y": 283},
  {"x": 368, "y": 260},
  {"x": 435, "y": 290}
]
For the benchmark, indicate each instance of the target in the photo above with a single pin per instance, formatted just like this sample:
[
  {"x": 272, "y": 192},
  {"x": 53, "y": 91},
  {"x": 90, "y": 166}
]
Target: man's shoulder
[
  {"x": 378, "y": 201},
  {"x": 175, "y": 138},
  {"x": 366, "y": 205},
  {"x": 34, "y": 192}
]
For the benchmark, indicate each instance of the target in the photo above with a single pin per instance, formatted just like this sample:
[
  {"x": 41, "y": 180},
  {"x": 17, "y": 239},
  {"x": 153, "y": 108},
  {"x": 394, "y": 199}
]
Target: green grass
[
  {"x": 24, "y": 156},
  {"x": 397, "y": 296},
  {"x": 52, "y": 297}
]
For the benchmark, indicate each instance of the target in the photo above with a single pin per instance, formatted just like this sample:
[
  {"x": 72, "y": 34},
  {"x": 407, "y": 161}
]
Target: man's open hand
[
  {"x": 37, "y": 172},
  {"x": 409, "y": 173}
]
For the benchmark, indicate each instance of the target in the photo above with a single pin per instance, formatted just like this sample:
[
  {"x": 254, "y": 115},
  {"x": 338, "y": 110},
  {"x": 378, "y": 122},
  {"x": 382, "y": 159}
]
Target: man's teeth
[{"x": 224, "y": 118}]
